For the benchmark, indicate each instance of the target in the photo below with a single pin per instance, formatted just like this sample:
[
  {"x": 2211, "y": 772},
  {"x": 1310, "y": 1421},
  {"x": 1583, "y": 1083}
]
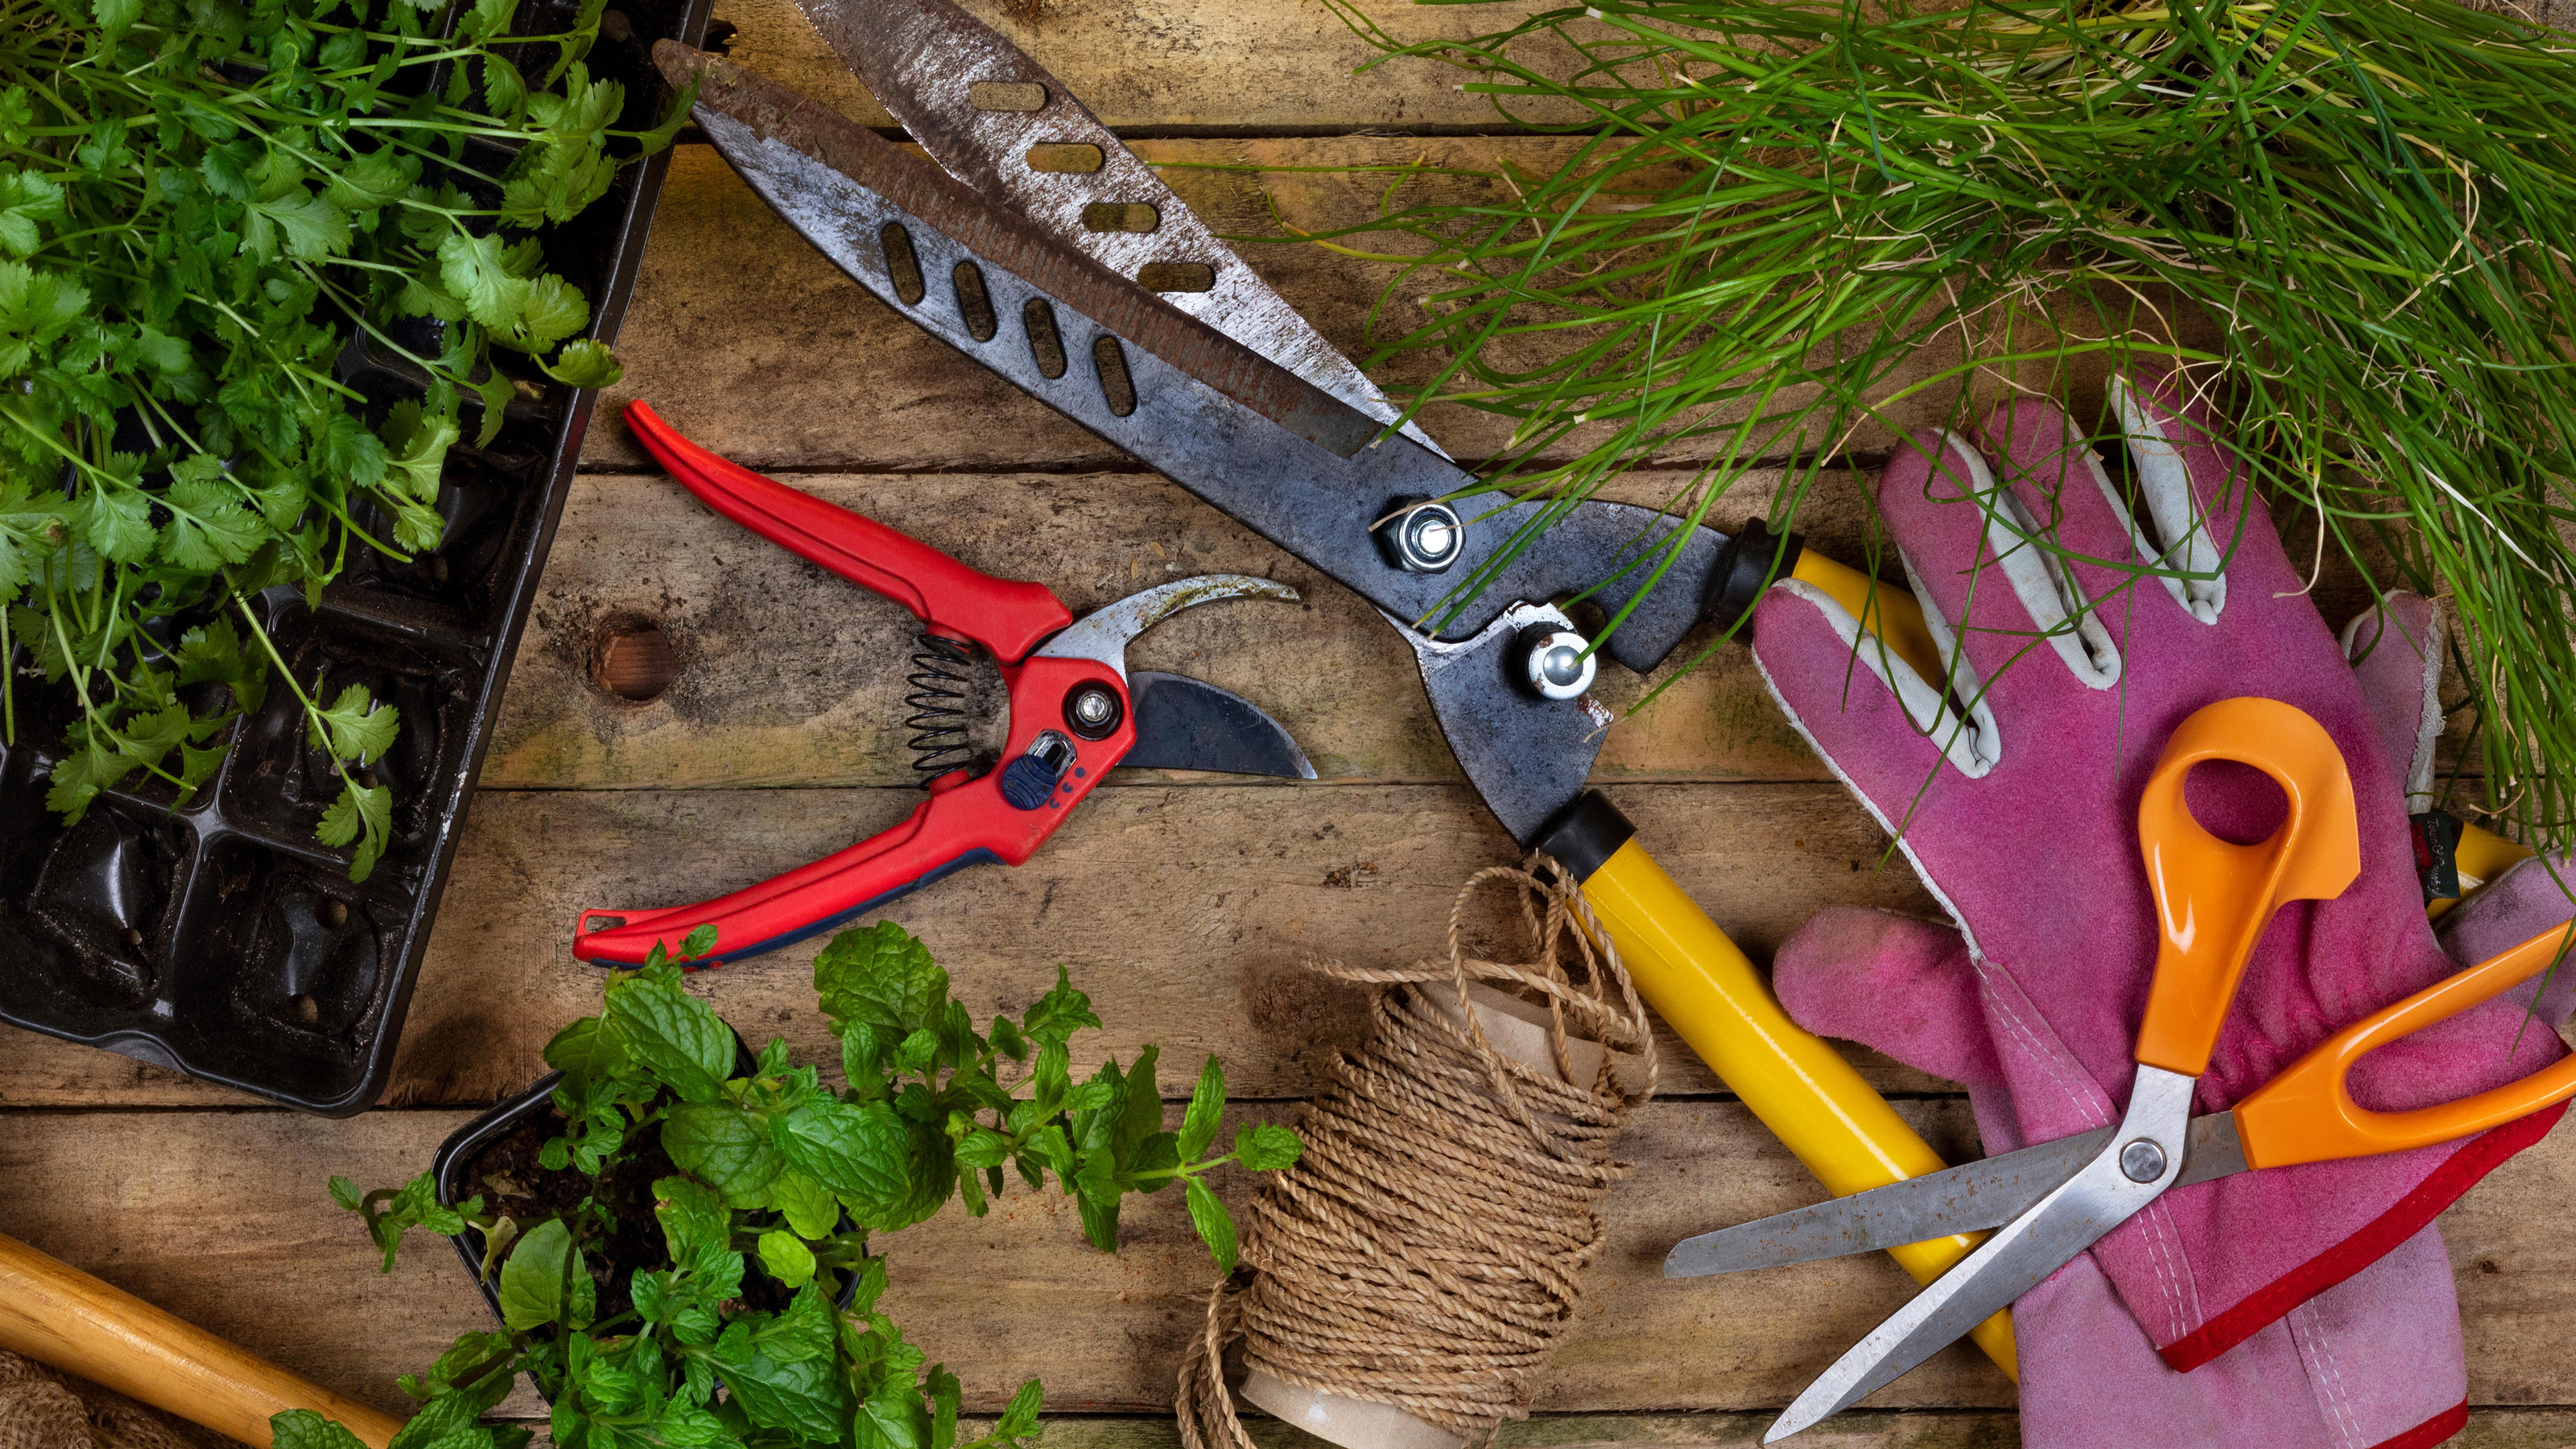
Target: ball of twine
[{"x": 1428, "y": 1248}]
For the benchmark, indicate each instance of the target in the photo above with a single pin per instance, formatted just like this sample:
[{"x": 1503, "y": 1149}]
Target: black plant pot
[{"x": 455, "y": 1155}]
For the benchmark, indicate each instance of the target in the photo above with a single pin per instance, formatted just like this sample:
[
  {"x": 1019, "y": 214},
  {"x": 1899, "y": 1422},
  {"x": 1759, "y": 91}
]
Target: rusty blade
[
  {"x": 935, "y": 68},
  {"x": 772, "y": 112}
]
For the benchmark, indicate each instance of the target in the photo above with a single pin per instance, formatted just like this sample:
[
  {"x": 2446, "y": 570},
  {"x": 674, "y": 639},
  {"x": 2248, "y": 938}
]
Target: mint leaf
[
  {"x": 725, "y": 1148},
  {"x": 1267, "y": 1146},
  {"x": 880, "y": 977},
  {"x": 1207, "y": 1104},
  {"x": 807, "y": 1205},
  {"x": 696, "y": 1225},
  {"x": 305, "y": 1429},
  {"x": 1060, "y": 1013},
  {"x": 533, "y": 1280},
  {"x": 1215, "y": 1227},
  {"x": 862, "y": 1154},
  {"x": 787, "y": 1258},
  {"x": 672, "y": 1035}
]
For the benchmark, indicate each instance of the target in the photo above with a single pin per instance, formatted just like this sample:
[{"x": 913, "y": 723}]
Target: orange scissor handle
[
  {"x": 2306, "y": 1114},
  {"x": 2214, "y": 897}
]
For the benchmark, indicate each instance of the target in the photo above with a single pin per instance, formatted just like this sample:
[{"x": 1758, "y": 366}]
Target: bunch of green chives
[{"x": 2350, "y": 219}]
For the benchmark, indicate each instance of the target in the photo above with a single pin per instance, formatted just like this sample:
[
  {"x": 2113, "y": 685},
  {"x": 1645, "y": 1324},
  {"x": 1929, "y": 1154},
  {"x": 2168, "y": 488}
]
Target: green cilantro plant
[
  {"x": 201, "y": 202},
  {"x": 758, "y": 1323}
]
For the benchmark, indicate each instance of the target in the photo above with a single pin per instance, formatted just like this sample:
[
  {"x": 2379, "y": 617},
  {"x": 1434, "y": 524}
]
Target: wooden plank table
[{"x": 1184, "y": 905}]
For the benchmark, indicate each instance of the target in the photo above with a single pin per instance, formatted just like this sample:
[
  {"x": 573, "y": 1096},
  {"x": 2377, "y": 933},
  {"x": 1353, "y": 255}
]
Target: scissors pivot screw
[
  {"x": 2142, "y": 1161},
  {"x": 1424, "y": 536}
]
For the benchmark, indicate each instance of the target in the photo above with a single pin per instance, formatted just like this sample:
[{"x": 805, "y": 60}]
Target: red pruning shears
[{"x": 1075, "y": 714}]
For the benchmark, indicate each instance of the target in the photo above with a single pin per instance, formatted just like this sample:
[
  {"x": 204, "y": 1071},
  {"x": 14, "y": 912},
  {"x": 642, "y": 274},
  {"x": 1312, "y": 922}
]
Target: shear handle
[
  {"x": 1000, "y": 817},
  {"x": 2307, "y": 1114},
  {"x": 1007, "y": 616},
  {"x": 2214, "y": 897}
]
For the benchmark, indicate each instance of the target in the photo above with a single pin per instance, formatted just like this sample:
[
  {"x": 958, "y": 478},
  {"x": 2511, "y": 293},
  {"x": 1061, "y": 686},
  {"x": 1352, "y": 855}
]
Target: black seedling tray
[{"x": 219, "y": 938}]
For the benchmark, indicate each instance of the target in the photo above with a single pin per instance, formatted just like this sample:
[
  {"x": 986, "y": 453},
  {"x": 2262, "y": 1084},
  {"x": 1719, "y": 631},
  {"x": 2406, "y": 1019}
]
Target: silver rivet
[
  {"x": 1556, "y": 664},
  {"x": 2142, "y": 1161},
  {"x": 1092, "y": 707}
]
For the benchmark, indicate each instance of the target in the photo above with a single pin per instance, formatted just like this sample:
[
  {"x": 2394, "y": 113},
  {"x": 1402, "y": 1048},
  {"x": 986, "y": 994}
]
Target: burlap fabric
[{"x": 43, "y": 1409}]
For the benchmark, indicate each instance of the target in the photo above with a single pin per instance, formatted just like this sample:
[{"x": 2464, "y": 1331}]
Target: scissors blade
[
  {"x": 1982, "y": 1194},
  {"x": 996, "y": 120},
  {"x": 1963, "y": 1199},
  {"x": 2071, "y": 1218}
]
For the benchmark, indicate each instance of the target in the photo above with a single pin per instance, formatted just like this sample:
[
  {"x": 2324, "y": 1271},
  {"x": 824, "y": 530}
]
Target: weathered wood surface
[
  {"x": 789, "y": 676},
  {"x": 1181, "y": 904},
  {"x": 222, "y": 1218},
  {"x": 1184, "y": 911},
  {"x": 1261, "y": 68}
]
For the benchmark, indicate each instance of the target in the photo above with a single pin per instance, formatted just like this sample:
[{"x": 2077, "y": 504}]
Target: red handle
[
  {"x": 1010, "y": 617},
  {"x": 975, "y": 823}
]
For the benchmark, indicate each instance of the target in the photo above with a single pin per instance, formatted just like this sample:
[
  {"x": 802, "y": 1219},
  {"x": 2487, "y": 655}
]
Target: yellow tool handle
[
  {"x": 56, "y": 1314},
  {"x": 1801, "y": 1088}
]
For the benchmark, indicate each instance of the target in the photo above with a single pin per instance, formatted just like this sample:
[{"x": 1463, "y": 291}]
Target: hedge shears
[{"x": 2048, "y": 1203}]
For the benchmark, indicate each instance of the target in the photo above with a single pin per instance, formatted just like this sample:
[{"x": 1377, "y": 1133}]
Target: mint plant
[
  {"x": 757, "y": 1324},
  {"x": 201, "y": 201}
]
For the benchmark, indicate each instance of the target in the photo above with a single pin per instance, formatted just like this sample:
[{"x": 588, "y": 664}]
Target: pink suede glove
[
  {"x": 2020, "y": 814},
  {"x": 2374, "y": 1360}
]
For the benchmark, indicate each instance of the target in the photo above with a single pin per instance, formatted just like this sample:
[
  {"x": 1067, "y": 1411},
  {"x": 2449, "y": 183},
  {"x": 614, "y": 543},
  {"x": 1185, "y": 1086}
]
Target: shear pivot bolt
[
  {"x": 2142, "y": 1161},
  {"x": 1554, "y": 662},
  {"x": 1424, "y": 537},
  {"x": 1093, "y": 711}
]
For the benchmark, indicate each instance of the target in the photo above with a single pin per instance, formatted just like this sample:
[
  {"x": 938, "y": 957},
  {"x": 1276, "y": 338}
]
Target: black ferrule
[
  {"x": 1752, "y": 561},
  {"x": 1585, "y": 834}
]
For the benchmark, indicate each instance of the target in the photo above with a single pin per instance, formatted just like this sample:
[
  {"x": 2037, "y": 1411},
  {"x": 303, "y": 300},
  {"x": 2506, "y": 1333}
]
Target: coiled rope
[{"x": 1427, "y": 1250}]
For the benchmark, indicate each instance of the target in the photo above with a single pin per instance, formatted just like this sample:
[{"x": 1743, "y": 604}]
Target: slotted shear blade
[{"x": 966, "y": 93}]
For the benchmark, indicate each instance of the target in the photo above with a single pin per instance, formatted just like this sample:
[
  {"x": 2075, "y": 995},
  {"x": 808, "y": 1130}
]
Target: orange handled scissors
[{"x": 2048, "y": 1203}]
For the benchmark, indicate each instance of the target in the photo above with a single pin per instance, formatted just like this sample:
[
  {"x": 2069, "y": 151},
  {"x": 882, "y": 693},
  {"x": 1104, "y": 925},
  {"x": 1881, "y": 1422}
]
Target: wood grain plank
[
  {"x": 221, "y": 1218},
  {"x": 789, "y": 676},
  {"x": 1183, "y": 911},
  {"x": 1263, "y": 66}
]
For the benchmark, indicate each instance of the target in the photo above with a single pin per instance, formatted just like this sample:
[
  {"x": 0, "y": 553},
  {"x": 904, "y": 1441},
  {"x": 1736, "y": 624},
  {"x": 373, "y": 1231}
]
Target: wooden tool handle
[{"x": 56, "y": 1314}]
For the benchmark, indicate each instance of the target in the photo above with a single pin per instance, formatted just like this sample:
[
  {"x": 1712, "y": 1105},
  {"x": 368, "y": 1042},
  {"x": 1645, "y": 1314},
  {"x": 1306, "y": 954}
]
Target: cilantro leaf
[
  {"x": 26, "y": 198},
  {"x": 585, "y": 363},
  {"x": 355, "y": 727},
  {"x": 364, "y": 814},
  {"x": 472, "y": 268}
]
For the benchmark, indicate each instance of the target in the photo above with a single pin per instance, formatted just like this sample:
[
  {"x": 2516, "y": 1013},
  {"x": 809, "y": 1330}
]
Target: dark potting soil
[{"x": 514, "y": 1184}]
